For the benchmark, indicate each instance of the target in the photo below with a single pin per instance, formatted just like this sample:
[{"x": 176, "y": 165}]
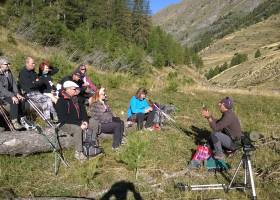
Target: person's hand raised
[{"x": 205, "y": 113}]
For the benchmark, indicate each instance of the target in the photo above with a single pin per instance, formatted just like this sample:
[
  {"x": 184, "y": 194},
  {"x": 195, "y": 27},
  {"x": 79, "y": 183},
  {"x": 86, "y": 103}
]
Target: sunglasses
[
  {"x": 83, "y": 69},
  {"x": 7, "y": 64}
]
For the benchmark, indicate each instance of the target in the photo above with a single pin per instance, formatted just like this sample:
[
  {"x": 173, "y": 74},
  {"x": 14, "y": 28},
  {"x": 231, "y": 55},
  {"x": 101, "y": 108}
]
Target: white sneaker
[
  {"x": 80, "y": 156},
  {"x": 27, "y": 124}
]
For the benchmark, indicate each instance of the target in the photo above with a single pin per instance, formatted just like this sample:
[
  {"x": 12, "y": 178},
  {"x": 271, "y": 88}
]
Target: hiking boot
[
  {"x": 80, "y": 156},
  {"x": 16, "y": 124},
  {"x": 219, "y": 156}
]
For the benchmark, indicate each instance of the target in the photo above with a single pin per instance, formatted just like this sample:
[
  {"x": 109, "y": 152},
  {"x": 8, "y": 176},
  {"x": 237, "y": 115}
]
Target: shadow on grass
[
  {"x": 201, "y": 135},
  {"x": 120, "y": 191}
]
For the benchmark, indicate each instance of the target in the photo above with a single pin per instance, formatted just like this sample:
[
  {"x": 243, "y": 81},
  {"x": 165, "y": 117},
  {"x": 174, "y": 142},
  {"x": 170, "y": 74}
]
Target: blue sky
[{"x": 157, "y": 5}]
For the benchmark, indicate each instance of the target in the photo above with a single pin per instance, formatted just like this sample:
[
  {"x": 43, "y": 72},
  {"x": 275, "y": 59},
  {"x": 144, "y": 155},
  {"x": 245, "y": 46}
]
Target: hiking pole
[
  {"x": 57, "y": 154},
  {"x": 163, "y": 113},
  {"x": 52, "y": 145},
  {"x": 6, "y": 118},
  {"x": 41, "y": 114}
]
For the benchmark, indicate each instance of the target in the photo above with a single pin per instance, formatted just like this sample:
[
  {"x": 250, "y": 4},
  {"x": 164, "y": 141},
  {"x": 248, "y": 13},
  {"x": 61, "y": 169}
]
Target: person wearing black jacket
[
  {"x": 30, "y": 83},
  {"x": 45, "y": 74},
  {"x": 72, "y": 115}
]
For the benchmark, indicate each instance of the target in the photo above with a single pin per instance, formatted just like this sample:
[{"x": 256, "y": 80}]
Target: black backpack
[{"x": 90, "y": 143}]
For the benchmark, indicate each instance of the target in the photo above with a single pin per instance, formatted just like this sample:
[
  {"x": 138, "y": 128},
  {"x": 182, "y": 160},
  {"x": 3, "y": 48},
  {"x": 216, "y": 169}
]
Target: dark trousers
[
  {"x": 117, "y": 128},
  {"x": 15, "y": 109},
  {"x": 148, "y": 117},
  {"x": 220, "y": 140}
]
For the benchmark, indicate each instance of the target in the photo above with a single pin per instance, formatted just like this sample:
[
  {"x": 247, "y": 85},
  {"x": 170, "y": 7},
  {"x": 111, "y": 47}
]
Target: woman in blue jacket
[{"x": 140, "y": 110}]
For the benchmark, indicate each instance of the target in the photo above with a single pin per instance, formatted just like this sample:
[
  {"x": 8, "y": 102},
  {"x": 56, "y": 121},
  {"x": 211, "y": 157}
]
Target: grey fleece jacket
[
  {"x": 228, "y": 124},
  {"x": 8, "y": 86}
]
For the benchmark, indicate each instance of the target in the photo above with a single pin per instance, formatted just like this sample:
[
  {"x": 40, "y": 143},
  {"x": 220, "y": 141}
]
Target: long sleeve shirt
[
  {"x": 228, "y": 124},
  {"x": 70, "y": 110},
  {"x": 46, "y": 80},
  {"x": 28, "y": 82},
  {"x": 102, "y": 112},
  {"x": 8, "y": 86},
  {"x": 137, "y": 106}
]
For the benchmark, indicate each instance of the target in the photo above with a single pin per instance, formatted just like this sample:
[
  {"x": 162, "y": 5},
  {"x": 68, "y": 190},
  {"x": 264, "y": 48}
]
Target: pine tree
[{"x": 141, "y": 21}]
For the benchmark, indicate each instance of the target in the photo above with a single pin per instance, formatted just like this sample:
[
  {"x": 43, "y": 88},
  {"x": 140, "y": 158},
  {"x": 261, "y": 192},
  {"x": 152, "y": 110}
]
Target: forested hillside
[
  {"x": 190, "y": 18},
  {"x": 113, "y": 35},
  {"x": 198, "y": 23}
]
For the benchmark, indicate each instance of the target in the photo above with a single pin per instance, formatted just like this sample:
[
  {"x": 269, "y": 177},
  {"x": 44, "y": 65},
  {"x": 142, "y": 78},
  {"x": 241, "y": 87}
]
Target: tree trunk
[{"x": 29, "y": 142}]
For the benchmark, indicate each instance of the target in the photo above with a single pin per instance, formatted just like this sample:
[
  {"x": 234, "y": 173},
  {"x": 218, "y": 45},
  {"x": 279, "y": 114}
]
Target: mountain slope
[
  {"x": 261, "y": 72},
  {"x": 186, "y": 20}
]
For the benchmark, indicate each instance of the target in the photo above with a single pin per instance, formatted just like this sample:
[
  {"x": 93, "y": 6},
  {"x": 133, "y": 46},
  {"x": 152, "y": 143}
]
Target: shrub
[
  {"x": 49, "y": 33},
  {"x": 238, "y": 58},
  {"x": 172, "y": 86},
  {"x": 18, "y": 62},
  {"x": 188, "y": 81},
  {"x": 135, "y": 152},
  {"x": 113, "y": 81},
  {"x": 159, "y": 60},
  {"x": 64, "y": 65},
  {"x": 258, "y": 53},
  {"x": 11, "y": 39},
  {"x": 217, "y": 70},
  {"x": 172, "y": 75}
]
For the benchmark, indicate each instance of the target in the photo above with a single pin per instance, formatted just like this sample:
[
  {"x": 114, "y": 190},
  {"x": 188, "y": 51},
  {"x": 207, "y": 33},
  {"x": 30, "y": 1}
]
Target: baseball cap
[
  {"x": 77, "y": 73},
  {"x": 228, "y": 103},
  {"x": 68, "y": 84}
]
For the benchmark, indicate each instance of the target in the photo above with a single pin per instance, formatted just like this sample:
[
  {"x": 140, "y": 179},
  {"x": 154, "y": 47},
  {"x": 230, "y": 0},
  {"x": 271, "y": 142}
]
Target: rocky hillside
[
  {"x": 186, "y": 20},
  {"x": 263, "y": 71}
]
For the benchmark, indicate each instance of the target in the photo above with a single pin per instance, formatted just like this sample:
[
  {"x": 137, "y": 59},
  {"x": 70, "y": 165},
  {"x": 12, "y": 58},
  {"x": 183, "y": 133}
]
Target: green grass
[{"x": 149, "y": 156}]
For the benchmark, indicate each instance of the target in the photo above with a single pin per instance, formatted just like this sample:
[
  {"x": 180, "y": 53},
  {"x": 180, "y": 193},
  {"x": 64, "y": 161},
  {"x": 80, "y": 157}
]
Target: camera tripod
[{"x": 248, "y": 177}]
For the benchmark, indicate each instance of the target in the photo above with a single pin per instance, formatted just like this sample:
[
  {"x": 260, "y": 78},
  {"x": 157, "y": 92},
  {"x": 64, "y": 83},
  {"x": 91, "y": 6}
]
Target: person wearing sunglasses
[
  {"x": 82, "y": 69},
  {"x": 9, "y": 92}
]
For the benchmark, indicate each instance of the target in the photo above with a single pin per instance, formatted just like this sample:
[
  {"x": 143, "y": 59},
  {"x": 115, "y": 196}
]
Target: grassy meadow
[
  {"x": 151, "y": 163},
  {"x": 150, "y": 159}
]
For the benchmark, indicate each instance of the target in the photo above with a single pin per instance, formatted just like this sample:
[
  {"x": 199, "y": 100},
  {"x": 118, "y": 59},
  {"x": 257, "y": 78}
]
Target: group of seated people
[{"x": 65, "y": 104}]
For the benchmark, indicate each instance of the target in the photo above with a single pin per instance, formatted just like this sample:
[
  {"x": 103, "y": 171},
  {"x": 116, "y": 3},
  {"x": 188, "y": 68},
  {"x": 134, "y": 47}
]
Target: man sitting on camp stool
[
  {"x": 226, "y": 130},
  {"x": 72, "y": 115},
  {"x": 9, "y": 92}
]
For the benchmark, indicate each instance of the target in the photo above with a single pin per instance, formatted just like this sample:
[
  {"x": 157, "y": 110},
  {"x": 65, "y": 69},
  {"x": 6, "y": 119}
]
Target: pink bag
[{"x": 203, "y": 152}]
